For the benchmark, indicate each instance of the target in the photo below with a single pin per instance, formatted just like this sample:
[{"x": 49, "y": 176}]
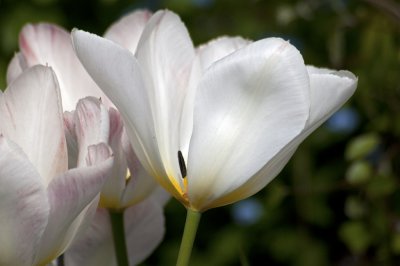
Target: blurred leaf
[
  {"x": 356, "y": 236},
  {"x": 354, "y": 207},
  {"x": 359, "y": 172},
  {"x": 361, "y": 146},
  {"x": 381, "y": 186}
]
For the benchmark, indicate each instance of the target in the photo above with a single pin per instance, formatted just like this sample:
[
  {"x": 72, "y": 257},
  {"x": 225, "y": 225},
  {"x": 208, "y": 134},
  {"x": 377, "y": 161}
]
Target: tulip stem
[
  {"x": 117, "y": 224},
  {"x": 189, "y": 234}
]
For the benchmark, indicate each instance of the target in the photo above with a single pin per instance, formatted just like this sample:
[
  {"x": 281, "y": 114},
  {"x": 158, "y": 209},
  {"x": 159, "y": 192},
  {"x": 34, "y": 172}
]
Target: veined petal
[
  {"x": 144, "y": 229},
  {"x": 31, "y": 116},
  {"x": 217, "y": 49},
  {"x": 329, "y": 90},
  {"x": 50, "y": 45},
  {"x": 165, "y": 53},
  {"x": 118, "y": 74},
  {"x": 127, "y": 30},
  {"x": 15, "y": 67},
  {"x": 92, "y": 125},
  {"x": 24, "y": 207},
  {"x": 69, "y": 194},
  {"x": 248, "y": 107},
  {"x": 206, "y": 55},
  {"x": 70, "y": 136}
]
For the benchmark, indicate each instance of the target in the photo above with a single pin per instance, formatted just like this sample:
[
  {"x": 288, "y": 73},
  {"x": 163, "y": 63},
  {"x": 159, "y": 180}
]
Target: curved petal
[
  {"x": 166, "y": 53},
  {"x": 329, "y": 90},
  {"x": 50, "y": 45},
  {"x": 69, "y": 194},
  {"x": 144, "y": 227},
  {"x": 206, "y": 55},
  {"x": 248, "y": 107},
  {"x": 71, "y": 138},
  {"x": 92, "y": 125},
  {"x": 111, "y": 194},
  {"x": 31, "y": 116},
  {"x": 24, "y": 207},
  {"x": 117, "y": 72},
  {"x": 15, "y": 67},
  {"x": 127, "y": 30},
  {"x": 219, "y": 48}
]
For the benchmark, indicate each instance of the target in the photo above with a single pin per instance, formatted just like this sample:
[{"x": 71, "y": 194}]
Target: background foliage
[{"x": 338, "y": 200}]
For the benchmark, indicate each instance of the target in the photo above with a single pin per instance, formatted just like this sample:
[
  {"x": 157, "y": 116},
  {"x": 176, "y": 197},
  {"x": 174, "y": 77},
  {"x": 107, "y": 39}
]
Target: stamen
[{"x": 182, "y": 164}]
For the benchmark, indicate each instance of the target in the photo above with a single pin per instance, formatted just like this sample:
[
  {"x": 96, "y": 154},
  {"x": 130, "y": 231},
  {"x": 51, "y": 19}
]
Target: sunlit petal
[
  {"x": 122, "y": 80},
  {"x": 248, "y": 106},
  {"x": 50, "y": 45},
  {"x": 127, "y": 30},
  {"x": 165, "y": 53}
]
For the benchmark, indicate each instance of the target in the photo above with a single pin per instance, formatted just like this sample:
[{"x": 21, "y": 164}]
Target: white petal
[
  {"x": 206, "y": 55},
  {"x": 219, "y": 48},
  {"x": 15, "y": 67},
  {"x": 144, "y": 228},
  {"x": 249, "y": 106},
  {"x": 329, "y": 90},
  {"x": 117, "y": 72},
  {"x": 31, "y": 116},
  {"x": 24, "y": 207},
  {"x": 127, "y": 30},
  {"x": 165, "y": 53},
  {"x": 50, "y": 45},
  {"x": 69, "y": 195}
]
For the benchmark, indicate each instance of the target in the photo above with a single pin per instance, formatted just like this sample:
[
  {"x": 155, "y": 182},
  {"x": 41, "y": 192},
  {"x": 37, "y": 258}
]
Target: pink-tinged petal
[
  {"x": 31, "y": 116},
  {"x": 127, "y": 30},
  {"x": 144, "y": 229},
  {"x": 92, "y": 125},
  {"x": 50, "y": 45},
  {"x": 112, "y": 191},
  {"x": 161, "y": 196},
  {"x": 15, "y": 67},
  {"x": 166, "y": 53},
  {"x": 24, "y": 207},
  {"x": 117, "y": 72},
  {"x": 248, "y": 107},
  {"x": 70, "y": 194},
  {"x": 71, "y": 138}
]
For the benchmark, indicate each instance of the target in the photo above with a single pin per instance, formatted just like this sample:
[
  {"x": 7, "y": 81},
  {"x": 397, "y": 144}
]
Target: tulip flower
[
  {"x": 92, "y": 122},
  {"x": 43, "y": 204},
  {"x": 216, "y": 124},
  {"x": 127, "y": 191}
]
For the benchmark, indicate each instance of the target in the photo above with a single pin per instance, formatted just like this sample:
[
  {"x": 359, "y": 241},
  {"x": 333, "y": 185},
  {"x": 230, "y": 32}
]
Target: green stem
[
  {"x": 117, "y": 224},
  {"x": 189, "y": 234}
]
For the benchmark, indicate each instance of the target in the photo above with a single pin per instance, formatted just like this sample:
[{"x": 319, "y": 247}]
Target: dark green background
[{"x": 338, "y": 200}]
